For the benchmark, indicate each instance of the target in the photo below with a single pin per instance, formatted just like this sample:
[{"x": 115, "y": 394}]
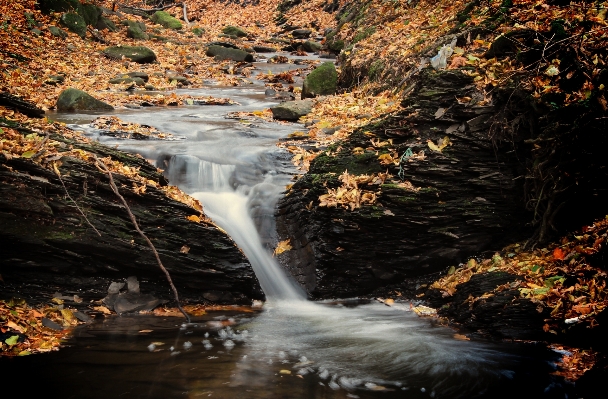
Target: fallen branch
[
  {"x": 102, "y": 166},
  {"x": 72, "y": 199}
]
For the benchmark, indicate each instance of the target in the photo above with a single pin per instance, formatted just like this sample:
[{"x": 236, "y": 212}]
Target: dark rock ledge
[{"x": 47, "y": 246}]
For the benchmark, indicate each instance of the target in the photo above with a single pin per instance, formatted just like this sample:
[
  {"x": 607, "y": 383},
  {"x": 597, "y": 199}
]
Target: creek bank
[{"x": 50, "y": 247}]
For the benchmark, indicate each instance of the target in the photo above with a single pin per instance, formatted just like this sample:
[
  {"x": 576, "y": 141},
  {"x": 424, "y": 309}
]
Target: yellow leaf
[
  {"x": 15, "y": 327},
  {"x": 67, "y": 315},
  {"x": 440, "y": 144},
  {"x": 194, "y": 218},
  {"x": 283, "y": 246},
  {"x": 102, "y": 309}
]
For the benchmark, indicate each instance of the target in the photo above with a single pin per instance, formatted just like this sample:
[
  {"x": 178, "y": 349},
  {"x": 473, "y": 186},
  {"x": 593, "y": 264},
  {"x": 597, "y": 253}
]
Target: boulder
[
  {"x": 135, "y": 32},
  {"x": 139, "y": 54},
  {"x": 105, "y": 23},
  {"x": 89, "y": 12},
  {"x": 76, "y": 100},
  {"x": 311, "y": 47},
  {"x": 122, "y": 80},
  {"x": 167, "y": 20},
  {"x": 291, "y": 110},
  {"x": 301, "y": 33},
  {"x": 223, "y": 53},
  {"x": 74, "y": 23},
  {"x": 139, "y": 25},
  {"x": 57, "y": 32},
  {"x": 179, "y": 79},
  {"x": 321, "y": 82},
  {"x": 264, "y": 49},
  {"x": 234, "y": 31},
  {"x": 142, "y": 75}
]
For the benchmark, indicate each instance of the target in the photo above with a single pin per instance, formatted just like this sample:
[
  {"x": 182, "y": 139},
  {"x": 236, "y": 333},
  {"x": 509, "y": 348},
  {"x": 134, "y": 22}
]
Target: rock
[
  {"x": 264, "y": 49},
  {"x": 106, "y": 23},
  {"x": 270, "y": 92},
  {"x": 335, "y": 45},
  {"x": 301, "y": 33},
  {"x": 135, "y": 32},
  {"x": 136, "y": 24},
  {"x": 142, "y": 75},
  {"x": 223, "y": 53},
  {"x": 234, "y": 31},
  {"x": 123, "y": 80},
  {"x": 74, "y": 23},
  {"x": 47, "y": 246},
  {"x": 321, "y": 82},
  {"x": 36, "y": 32},
  {"x": 166, "y": 20},
  {"x": 48, "y": 323},
  {"x": 57, "y": 32},
  {"x": 149, "y": 87},
  {"x": 311, "y": 47},
  {"x": 132, "y": 300},
  {"x": 291, "y": 110},
  {"x": 55, "y": 79},
  {"x": 89, "y": 12},
  {"x": 23, "y": 106},
  {"x": 139, "y": 54},
  {"x": 198, "y": 31},
  {"x": 179, "y": 79},
  {"x": 76, "y": 100},
  {"x": 224, "y": 44}
]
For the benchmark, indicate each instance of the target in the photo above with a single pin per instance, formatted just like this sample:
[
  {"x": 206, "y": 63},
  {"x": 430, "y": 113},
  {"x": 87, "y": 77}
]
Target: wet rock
[
  {"x": 234, "y": 31},
  {"x": 123, "y": 80},
  {"x": 139, "y": 54},
  {"x": 75, "y": 23},
  {"x": 141, "y": 75},
  {"x": 264, "y": 49},
  {"x": 292, "y": 110},
  {"x": 57, "y": 32},
  {"x": 47, "y": 243},
  {"x": 270, "y": 92},
  {"x": 224, "y": 44},
  {"x": 132, "y": 300},
  {"x": 223, "y": 53},
  {"x": 320, "y": 82},
  {"x": 48, "y": 323},
  {"x": 74, "y": 100},
  {"x": 301, "y": 33},
  {"x": 179, "y": 79},
  {"x": 311, "y": 47},
  {"x": 166, "y": 20}
]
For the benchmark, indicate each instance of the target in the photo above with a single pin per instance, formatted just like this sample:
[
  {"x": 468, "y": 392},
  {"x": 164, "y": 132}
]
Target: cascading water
[{"x": 367, "y": 350}]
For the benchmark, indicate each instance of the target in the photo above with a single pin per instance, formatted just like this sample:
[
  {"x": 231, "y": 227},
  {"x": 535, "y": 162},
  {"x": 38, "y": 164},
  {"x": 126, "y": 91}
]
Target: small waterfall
[{"x": 246, "y": 213}]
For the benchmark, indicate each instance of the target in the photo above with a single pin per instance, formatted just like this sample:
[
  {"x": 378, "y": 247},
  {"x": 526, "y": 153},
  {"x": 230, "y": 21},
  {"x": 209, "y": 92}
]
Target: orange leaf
[
  {"x": 558, "y": 254},
  {"x": 582, "y": 309}
]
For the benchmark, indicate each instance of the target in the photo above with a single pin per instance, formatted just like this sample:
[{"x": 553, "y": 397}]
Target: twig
[
  {"x": 77, "y": 207},
  {"x": 105, "y": 169}
]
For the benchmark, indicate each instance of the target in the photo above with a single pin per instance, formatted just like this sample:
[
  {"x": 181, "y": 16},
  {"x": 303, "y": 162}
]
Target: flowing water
[{"x": 292, "y": 348}]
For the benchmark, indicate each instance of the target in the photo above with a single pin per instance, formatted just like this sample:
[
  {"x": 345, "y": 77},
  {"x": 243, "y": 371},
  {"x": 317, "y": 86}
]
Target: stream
[{"x": 291, "y": 348}]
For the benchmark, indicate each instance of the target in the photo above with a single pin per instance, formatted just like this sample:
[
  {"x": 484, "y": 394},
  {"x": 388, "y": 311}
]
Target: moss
[
  {"x": 167, "y": 20},
  {"x": 336, "y": 45},
  {"x": 355, "y": 164},
  {"x": 375, "y": 69},
  {"x": 364, "y": 34}
]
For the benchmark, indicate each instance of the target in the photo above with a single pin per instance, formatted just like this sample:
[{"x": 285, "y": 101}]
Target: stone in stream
[
  {"x": 75, "y": 100},
  {"x": 166, "y": 20},
  {"x": 223, "y": 53},
  {"x": 301, "y": 33},
  {"x": 74, "y": 23},
  {"x": 142, "y": 75},
  {"x": 127, "y": 79},
  {"x": 234, "y": 31},
  {"x": 139, "y": 54},
  {"x": 311, "y": 46},
  {"x": 320, "y": 82},
  {"x": 264, "y": 49},
  {"x": 132, "y": 300},
  {"x": 291, "y": 110}
]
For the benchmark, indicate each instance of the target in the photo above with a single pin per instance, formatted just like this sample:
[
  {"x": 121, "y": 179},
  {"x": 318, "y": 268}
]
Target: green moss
[
  {"x": 167, "y": 20},
  {"x": 364, "y": 34},
  {"x": 336, "y": 45},
  {"x": 375, "y": 69}
]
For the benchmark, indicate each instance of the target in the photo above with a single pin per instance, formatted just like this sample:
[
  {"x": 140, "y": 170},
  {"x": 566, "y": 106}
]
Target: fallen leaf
[
  {"x": 184, "y": 249},
  {"x": 145, "y": 331},
  {"x": 194, "y": 218},
  {"x": 102, "y": 309},
  {"x": 283, "y": 246},
  {"x": 11, "y": 340}
]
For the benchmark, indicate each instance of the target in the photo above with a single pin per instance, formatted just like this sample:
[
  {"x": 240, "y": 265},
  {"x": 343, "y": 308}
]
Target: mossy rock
[
  {"x": 292, "y": 110},
  {"x": 311, "y": 47},
  {"x": 335, "y": 45},
  {"x": 321, "y": 82},
  {"x": 139, "y": 54},
  {"x": 135, "y": 32},
  {"x": 234, "y": 31},
  {"x": 106, "y": 23},
  {"x": 167, "y": 20},
  {"x": 76, "y": 100},
  {"x": 124, "y": 80},
  {"x": 74, "y": 23},
  {"x": 198, "y": 31},
  {"x": 224, "y": 53},
  {"x": 57, "y": 32},
  {"x": 89, "y": 12}
]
